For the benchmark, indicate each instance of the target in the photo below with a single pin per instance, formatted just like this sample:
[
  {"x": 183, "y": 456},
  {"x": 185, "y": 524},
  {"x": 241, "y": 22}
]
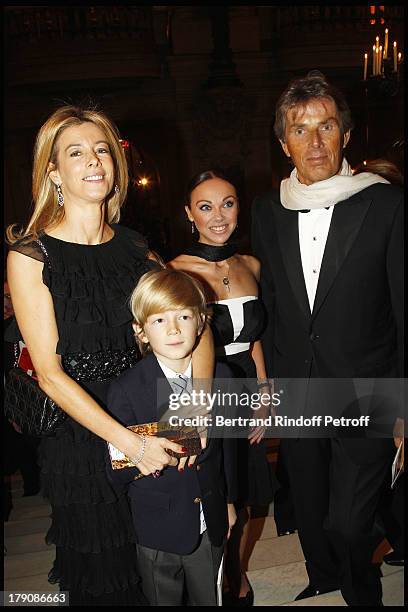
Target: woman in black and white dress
[{"x": 231, "y": 283}]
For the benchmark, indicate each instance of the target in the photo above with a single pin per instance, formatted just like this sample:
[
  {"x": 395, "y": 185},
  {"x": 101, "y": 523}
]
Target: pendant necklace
[
  {"x": 214, "y": 253},
  {"x": 226, "y": 280}
]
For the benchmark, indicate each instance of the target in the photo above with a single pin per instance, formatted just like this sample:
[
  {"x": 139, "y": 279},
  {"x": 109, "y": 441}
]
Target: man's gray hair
[{"x": 300, "y": 91}]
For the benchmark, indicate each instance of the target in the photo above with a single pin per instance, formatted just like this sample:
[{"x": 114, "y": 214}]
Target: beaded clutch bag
[{"x": 187, "y": 437}]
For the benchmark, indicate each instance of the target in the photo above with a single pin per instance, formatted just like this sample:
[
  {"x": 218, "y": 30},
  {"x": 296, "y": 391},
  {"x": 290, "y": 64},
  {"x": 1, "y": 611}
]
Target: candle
[
  {"x": 380, "y": 67},
  {"x": 399, "y": 57},
  {"x": 395, "y": 55},
  {"x": 373, "y": 60},
  {"x": 365, "y": 65},
  {"x": 386, "y": 44},
  {"x": 377, "y": 41},
  {"x": 377, "y": 63}
]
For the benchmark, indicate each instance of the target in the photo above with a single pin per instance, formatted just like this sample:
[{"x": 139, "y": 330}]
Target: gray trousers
[{"x": 175, "y": 580}]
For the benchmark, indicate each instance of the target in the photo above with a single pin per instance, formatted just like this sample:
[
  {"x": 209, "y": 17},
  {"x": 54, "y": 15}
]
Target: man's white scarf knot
[{"x": 296, "y": 196}]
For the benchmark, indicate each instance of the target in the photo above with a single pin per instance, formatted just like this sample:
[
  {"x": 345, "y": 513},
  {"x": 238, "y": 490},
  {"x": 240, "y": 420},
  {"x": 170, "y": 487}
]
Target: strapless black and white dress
[{"x": 236, "y": 323}]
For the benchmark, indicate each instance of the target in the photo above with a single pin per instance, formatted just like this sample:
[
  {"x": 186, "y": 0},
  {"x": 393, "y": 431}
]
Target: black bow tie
[{"x": 306, "y": 210}]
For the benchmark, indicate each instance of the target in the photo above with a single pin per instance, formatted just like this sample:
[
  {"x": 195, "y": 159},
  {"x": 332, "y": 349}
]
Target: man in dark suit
[
  {"x": 180, "y": 516},
  {"x": 331, "y": 250}
]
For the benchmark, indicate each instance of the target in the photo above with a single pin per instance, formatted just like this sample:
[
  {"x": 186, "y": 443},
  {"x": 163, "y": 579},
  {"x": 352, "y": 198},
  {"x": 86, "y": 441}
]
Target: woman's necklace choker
[{"x": 210, "y": 252}]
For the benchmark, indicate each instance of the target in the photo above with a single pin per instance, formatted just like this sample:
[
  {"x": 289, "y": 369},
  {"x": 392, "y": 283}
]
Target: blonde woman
[{"x": 71, "y": 272}]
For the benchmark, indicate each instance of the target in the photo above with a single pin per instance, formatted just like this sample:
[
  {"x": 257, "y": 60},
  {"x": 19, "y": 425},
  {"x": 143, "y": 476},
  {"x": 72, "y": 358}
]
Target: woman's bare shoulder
[
  {"x": 183, "y": 262},
  {"x": 175, "y": 263},
  {"x": 252, "y": 263}
]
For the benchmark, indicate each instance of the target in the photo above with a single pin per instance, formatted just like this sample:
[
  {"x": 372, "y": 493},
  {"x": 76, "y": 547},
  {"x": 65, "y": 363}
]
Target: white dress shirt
[
  {"x": 313, "y": 231},
  {"x": 171, "y": 375}
]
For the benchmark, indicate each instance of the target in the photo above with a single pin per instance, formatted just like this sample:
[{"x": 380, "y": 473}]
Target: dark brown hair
[
  {"x": 384, "y": 168},
  {"x": 300, "y": 91},
  {"x": 201, "y": 177}
]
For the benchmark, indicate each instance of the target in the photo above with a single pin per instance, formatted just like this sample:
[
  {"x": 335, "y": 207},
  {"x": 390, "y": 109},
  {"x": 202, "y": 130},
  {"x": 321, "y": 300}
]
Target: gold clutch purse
[{"x": 187, "y": 437}]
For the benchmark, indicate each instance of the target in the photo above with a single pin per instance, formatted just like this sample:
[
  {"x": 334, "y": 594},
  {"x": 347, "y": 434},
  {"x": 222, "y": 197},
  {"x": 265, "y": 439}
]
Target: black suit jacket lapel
[
  {"x": 346, "y": 222},
  {"x": 288, "y": 236}
]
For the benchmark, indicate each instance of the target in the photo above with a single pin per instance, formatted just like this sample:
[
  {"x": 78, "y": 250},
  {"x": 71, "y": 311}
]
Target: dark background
[{"x": 191, "y": 87}]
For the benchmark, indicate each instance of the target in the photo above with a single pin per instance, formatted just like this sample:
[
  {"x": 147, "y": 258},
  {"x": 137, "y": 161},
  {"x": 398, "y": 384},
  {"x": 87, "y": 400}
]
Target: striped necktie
[{"x": 179, "y": 384}]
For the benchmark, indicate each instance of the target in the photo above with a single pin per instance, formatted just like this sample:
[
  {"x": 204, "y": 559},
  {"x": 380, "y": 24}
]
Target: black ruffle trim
[
  {"x": 94, "y": 528},
  {"x": 91, "y": 286},
  {"x": 91, "y": 522},
  {"x": 91, "y": 575}
]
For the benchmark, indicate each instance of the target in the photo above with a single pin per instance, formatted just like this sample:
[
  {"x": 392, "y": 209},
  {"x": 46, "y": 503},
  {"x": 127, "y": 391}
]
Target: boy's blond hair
[{"x": 163, "y": 290}]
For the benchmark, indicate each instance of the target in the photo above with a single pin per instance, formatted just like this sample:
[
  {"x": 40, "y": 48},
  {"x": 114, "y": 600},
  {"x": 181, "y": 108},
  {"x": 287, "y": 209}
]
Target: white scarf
[{"x": 296, "y": 196}]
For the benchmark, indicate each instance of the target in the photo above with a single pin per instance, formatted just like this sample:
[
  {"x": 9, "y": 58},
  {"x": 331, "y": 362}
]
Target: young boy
[{"x": 180, "y": 516}]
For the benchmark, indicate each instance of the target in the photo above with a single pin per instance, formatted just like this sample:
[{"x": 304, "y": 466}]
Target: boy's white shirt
[{"x": 170, "y": 374}]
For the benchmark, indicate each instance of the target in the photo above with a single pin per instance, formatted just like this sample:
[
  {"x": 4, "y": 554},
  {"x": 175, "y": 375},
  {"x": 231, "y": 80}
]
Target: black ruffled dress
[{"x": 91, "y": 522}]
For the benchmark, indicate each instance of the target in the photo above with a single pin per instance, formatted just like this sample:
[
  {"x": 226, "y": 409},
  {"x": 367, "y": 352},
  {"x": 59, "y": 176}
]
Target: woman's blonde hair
[
  {"x": 46, "y": 210},
  {"x": 163, "y": 290}
]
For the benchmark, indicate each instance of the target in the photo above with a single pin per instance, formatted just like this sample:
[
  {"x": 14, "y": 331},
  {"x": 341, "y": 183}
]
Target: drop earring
[
  {"x": 192, "y": 227},
  {"x": 60, "y": 196},
  {"x": 117, "y": 190}
]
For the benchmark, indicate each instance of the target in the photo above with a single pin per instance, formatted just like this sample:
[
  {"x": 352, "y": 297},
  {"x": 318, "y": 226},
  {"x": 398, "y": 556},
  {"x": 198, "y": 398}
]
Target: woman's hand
[
  {"x": 15, "y": 427},
  {"x": 155, "y": 457},
  {"x": 257, "y": 433},
  {"x": 232, "y": 518},
  {"x": 399, "y": 440},
  {"x": 265, "y": 390}
]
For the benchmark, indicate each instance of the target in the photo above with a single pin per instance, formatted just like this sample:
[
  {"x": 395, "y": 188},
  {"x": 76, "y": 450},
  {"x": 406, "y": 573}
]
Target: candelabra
[{"x": 385, "y": 68}]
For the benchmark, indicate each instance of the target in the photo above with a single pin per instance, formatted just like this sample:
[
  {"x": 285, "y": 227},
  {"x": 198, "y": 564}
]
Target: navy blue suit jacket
[{"x": 166, "y": 510}]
